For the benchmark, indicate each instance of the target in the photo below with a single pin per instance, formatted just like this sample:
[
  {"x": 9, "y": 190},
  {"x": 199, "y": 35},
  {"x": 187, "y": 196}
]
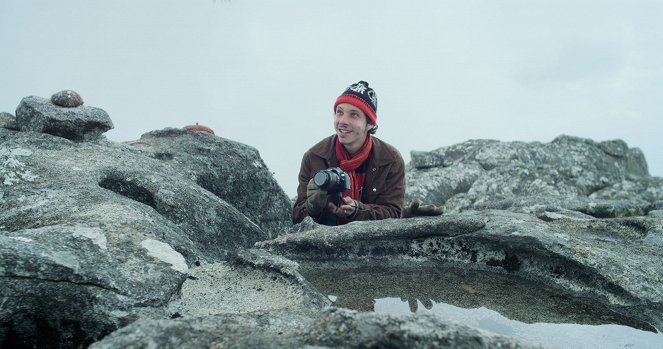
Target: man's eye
[
  {"x": 338, "y": 112},
  {"x": 355, "y": 115}
]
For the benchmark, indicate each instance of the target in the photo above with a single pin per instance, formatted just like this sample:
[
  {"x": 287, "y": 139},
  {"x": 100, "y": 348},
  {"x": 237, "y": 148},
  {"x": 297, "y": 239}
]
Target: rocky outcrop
[
  {"x": 602, "y": 179},
  {"x": 96, "y": 234},
  {"x": 613, "y": 262},
  {"x": 81, "y": 123},
  {"x": 182, "y": 239},
  {"x": 230, "y": 170},
  {"x": 332, "y": 328}
]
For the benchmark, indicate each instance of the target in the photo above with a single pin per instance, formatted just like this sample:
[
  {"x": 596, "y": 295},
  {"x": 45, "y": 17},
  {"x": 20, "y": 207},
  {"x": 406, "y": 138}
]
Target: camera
[{"x": 333, "y": 180}]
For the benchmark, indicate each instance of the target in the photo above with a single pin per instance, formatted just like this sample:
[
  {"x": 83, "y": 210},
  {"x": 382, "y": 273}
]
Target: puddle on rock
[{"x": 493, "y": 302}]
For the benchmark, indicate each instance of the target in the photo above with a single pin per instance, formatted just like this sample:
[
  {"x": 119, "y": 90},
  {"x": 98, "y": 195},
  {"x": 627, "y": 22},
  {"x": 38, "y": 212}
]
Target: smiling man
[{"x": 374, "y": 170}]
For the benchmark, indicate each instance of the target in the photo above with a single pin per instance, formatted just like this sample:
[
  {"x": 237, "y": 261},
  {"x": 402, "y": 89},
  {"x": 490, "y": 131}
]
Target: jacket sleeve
[
  {"x": 299, "y": 210},
  {"x": 388, "y": 201},
  {"x": 310, "y": 164}
]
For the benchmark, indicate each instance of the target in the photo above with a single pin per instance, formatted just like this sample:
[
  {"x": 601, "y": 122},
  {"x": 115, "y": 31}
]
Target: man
[{"x": 375, "y": 169}]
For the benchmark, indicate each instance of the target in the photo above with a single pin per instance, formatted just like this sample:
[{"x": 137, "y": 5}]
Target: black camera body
[{"x": 333, "y": 180}]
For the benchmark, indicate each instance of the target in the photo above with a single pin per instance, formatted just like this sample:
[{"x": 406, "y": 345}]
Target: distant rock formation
[{"x": 601, "y": 179}]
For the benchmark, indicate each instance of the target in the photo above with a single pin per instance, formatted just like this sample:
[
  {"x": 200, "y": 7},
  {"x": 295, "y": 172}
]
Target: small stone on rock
[{"x": 67, "y": 99}]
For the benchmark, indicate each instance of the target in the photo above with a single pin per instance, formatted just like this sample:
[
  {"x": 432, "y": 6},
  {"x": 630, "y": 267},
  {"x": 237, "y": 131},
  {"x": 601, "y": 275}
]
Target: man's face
[{"x": 351, "y": 126}]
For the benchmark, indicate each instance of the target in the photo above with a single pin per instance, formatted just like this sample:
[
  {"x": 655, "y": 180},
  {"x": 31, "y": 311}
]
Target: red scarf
[{"x": 350, "y": 162}]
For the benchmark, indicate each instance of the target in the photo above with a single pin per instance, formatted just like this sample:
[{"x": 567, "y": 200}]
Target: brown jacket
[{"x": 384, "y": 185}]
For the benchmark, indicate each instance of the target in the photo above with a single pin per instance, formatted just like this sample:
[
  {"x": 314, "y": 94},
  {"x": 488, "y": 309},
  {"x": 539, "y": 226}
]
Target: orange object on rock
[{"x": 197, "y": 127}]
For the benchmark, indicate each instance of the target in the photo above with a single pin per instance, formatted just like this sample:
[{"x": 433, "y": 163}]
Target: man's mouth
[{"x": 343, "y": 131}]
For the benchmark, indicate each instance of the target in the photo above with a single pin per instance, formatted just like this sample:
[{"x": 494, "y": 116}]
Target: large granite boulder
[
  {"x": 96, "y": 234},
  {"x": 230, "y": 170},
  {"x": 615, "y": 263},
  {"x": 79, "y": 123},
  {"x": 163, "y": 241},
  {"x": 331, "y": 328},
  {"x": 602, "y": 179}
]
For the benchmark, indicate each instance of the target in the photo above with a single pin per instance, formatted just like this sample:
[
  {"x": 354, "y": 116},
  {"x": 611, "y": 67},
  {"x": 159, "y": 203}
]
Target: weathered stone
[
  {"x": 8, "y": 121},
  {"x": 155, "y": 235},
  {"x": 254, "y": 281},
  {"x": 423, "y": 159},
  {"x": 78, "y": 283},
  {"x": 109, "y": 230},
  {"x": 67, "y": 99},
  {"x": 605, "y": 179},
  {"x": 230, "y": 170},
  {"x": 38, "y": 114},
  {"x": 613, "y": 262},
  {"x": 655, "y": 213},
  {"x": 332, "y": 328}
]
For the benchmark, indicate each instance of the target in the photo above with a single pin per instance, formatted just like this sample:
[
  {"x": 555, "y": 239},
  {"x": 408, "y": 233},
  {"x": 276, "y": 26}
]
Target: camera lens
[{"x": 321, "y": 179}]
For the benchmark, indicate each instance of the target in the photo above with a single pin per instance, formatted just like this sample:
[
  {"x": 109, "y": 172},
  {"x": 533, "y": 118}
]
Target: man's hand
[
  {"x": 349, "y": 209},
  {"x": 316, "y": 199},
  {"x": 416, "y": 210}
]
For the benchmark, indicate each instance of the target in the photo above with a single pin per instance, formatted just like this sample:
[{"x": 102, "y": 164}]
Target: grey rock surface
[
  {"x": 82, "y": 123},
  {"x": 8, "y": 121},
  {"x": 163, "y": 241},
  {"x": 602, "y": 179},
  {"x": 71, "y": 285},
  {"x": 96, "y": 234},
  {"x": 230, "y": 170},
  {"x": 67, "y": 98},
  {"x": 331, "y": 328},
  {"x": 253, "y": 281},
  {"x": 614, "y": 262}
]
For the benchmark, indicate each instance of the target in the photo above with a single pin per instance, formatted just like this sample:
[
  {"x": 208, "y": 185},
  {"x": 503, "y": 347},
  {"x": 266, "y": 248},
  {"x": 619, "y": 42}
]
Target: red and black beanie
[{"x": 362, "y": 97}]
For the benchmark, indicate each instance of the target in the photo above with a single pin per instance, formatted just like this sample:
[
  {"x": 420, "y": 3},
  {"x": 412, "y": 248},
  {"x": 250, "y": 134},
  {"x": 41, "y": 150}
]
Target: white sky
[{"x": 266, "y": 73}]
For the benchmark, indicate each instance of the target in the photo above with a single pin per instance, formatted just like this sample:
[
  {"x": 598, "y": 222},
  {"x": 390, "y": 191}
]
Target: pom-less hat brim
[{"x": 359, "y": 103}]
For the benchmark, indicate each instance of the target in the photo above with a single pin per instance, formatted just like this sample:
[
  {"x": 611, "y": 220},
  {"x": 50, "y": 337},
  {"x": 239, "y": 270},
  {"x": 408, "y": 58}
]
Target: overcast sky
[{"x": 266, "y": 73}]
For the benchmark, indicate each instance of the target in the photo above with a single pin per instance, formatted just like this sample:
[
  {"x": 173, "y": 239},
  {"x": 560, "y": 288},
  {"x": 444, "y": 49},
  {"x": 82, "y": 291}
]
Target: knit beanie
[{"x": 362, "y": 97}]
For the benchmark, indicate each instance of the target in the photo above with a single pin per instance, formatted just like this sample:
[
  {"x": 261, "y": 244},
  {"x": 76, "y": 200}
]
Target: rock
[
  {"x": 332, "y": 328},
  {"x": 230, "y": 170},
  {"x": 162, "y": 242},
  {"x": 603, "y": 179},
  {"x": 424, "y": 159},
  {"x": 613, "y": 262},
  {"x": 67, "y": 99},
  {"x": 83, "y": 123},
  {"x": 76, "y": 284},
  {"x": 8, "y": 121},
  {"x": 253, "y": 281},
  {"x": 655, "y": 213},
  {"x": 95, "y": 235}
]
